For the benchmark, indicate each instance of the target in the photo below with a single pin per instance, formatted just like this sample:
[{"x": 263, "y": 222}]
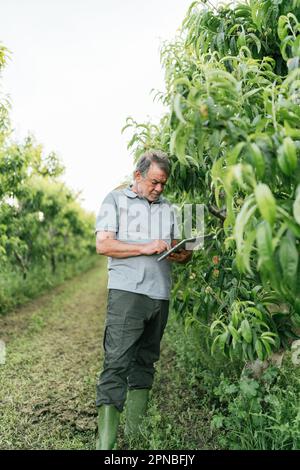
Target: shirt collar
[{"x": 128, "y": 191}]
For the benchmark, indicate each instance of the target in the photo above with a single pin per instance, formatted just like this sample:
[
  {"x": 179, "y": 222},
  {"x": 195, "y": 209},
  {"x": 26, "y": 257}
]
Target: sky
[{"x": 77, "y": 70}]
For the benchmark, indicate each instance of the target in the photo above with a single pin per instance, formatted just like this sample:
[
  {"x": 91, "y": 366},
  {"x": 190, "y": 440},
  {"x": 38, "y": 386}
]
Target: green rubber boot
[
  {"x": 136, "y": 406},
  {"x": 108, "y": 422}
]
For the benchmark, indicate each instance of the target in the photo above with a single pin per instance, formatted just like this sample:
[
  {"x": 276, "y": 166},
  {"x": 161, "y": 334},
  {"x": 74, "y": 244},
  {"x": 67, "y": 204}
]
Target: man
[{"x": 133, "y": 227}]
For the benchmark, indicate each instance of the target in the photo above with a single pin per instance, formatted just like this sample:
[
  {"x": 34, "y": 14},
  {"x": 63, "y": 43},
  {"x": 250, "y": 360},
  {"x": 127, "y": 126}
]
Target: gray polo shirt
[{"x": 135, "y": 220}]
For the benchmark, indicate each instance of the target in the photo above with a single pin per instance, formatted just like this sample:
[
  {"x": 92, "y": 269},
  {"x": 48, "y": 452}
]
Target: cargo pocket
[{"x": 112, "y": 340}]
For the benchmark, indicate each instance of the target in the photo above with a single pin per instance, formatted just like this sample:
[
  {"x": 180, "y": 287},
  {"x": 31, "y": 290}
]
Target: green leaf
[
  {"x": 244, "y": 252},
  {"x": 269, "y": 337},
  {"x": 182, "y": 81},
  {"x": 265, "y": 247},
  {"x": 241, "y": 41},
  {"x": 296, "y": 206},
  {"x": 290, "y": 131},
  {"x": 178, "y": 143},
  {"x": 177, "y": 108},
  {"x": 267, "y": 346},
  {"x": 250, "y": 351},
  {"x": 282, "y": 29},
  {"x": 257, "y": 160},
  {"x": 287, "y": 157},
  {"x": 235, "y": 316},
  {"x": 286, "y": 43},
  {"x": 249, "y": 387},
  {"x": 234, "y": 332},
  {"x": 233, "y": 154},
  {"x": 221, "y": 340},
  {"x": 251, "y": 93},
  {"x": 255, "y": 40},
  {"x": 246, "y": 331},
  {"x": 289, "y": 258},
  {"x": 248, "y": 209},
  {"x": 216, "y": 323},
  {"x": 259, "y": 350},
  {"x": 296, "y": 47},
  {"x": 266, "y": 202}
]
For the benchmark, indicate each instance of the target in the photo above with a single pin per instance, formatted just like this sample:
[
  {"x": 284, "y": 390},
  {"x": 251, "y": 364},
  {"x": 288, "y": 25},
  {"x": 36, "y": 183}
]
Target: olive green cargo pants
[{"x": 134, "y": 327}]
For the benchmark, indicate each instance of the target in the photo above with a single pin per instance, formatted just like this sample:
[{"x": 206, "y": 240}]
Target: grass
[
  {"x": 15, "y": 290},
  {"x": 54, "y": 355},
  {"x": 53, "y": 358}
]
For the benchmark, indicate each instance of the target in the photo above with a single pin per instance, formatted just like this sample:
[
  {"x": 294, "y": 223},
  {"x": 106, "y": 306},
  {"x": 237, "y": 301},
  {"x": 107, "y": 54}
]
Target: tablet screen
[{"x": 176, "y": 247}]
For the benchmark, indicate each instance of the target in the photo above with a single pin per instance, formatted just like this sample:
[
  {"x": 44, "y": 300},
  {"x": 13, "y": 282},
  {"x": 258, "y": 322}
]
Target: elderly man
[{"x": 133, "y": 227}]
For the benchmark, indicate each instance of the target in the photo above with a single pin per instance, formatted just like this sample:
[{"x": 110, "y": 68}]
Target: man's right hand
[
  {"x": 106, "y": 244},
  {"x": 155, "y": 247}
]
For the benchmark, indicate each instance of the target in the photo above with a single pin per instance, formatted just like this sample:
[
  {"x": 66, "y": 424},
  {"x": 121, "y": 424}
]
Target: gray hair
[{"x": 153, "y": 156}]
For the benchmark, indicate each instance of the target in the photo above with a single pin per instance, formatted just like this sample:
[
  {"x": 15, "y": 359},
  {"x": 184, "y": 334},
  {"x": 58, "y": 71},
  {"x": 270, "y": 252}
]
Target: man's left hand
[{"x": 181, "y": 256}]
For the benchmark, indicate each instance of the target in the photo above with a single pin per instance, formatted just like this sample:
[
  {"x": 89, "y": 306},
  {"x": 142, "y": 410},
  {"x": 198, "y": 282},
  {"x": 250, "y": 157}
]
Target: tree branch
[{"x": 219, "y": 213}]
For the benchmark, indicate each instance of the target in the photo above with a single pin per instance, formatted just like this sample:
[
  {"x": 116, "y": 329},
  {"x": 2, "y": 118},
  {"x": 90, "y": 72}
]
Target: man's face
[{"x": 151, "y": 185}]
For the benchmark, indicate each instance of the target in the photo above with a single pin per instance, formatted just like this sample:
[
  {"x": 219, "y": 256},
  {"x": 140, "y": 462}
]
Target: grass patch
[
  {"x": 261, "y": 413},
  {"x": 16, "y": 291},
  {"x": 54, "y": 348}
]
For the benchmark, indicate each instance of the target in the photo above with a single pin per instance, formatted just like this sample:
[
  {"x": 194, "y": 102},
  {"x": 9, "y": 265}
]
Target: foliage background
[
  {"x": 232, "y": 131},
  {"x": 45, "y": 235}
]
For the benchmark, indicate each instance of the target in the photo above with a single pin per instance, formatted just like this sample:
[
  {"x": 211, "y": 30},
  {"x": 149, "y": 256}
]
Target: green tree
[
  {"x": 41, "y": 222},
  {"x": 232, "y": 130}
]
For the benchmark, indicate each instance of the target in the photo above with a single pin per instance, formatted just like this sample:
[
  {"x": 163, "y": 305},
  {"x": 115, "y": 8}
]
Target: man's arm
[{"x": 107, "y": 245}]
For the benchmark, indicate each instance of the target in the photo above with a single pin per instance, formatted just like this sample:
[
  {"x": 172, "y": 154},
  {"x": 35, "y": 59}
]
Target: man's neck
[{"x": 135, "y": 190}]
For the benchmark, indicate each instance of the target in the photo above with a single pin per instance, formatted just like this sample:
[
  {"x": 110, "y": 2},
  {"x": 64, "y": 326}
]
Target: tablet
[{"x": 176, "y": 247}]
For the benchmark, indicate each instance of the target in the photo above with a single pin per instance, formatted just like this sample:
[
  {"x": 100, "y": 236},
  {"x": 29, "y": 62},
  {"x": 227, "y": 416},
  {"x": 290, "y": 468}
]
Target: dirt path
[{"x": 53, "y": 358}]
